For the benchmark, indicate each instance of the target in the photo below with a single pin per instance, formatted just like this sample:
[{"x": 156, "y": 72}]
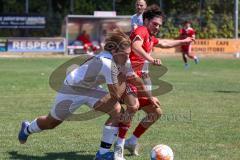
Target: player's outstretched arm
[
  {"x": 163, "y": 43},
  {"x": 138, "y": 49}
]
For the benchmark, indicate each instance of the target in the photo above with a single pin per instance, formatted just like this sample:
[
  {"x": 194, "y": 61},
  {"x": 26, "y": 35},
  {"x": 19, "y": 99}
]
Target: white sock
[
  {"x": 133, "y": 139},
  {"x": 120, "y": 142},
  {"x": 108, "y": 137},
  {"x": 32, "y": 128}
]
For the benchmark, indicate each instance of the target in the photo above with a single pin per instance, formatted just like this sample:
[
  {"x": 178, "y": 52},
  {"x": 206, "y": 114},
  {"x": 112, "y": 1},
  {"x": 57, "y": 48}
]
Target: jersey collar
[{"x": 105, "y": 54}]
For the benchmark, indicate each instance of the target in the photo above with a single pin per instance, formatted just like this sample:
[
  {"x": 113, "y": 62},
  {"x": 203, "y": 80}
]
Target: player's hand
[
  {"x": 157, "y": 62},
  {"x": 122, "y": 77},
  {"x": 135, "y": 26},
  {"x": 189, "y": 40},
  {"x": 155, "y": 102}
]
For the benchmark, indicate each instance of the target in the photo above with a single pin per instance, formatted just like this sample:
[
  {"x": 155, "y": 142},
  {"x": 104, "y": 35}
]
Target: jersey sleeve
[
  {"x": 76, "y": 75},
  {"x": 181, "y": 36},
  {"x": 191, "y": 32},
  {"x": 155, "y": 41},
  {"x": 109, "y": 71},
  {"x": 140, "y": 32},
  {"x": 180, "y": 32}
]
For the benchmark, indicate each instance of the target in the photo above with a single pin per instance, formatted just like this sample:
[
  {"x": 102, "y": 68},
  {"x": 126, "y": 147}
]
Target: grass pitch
[{"x": 201, "y": 118}]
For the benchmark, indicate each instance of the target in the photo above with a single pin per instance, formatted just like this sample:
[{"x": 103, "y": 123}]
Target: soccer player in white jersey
[
  {"x": 82, "y": 86},
  {"x": 137, "y": 19}
]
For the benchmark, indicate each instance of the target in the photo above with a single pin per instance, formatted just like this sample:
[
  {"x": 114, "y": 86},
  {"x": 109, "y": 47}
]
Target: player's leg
[
  {"x": 153, "y": 114},
  {"x": 110, "y": 130},
  {"x": 88, "y": 48},
  {"x": 64, "y": 106},
  {"x": 184, "y": 50},
  {"x": 43, "y": 122},
  {"x": 111, "y": 106},
  {"x": 59, "y": 112},
  {"x": 39, "y": 124},
  {"x": 185, "y": 59},
  {"x": 191, "y": 55},
  {"x": 132, "y": 106}
]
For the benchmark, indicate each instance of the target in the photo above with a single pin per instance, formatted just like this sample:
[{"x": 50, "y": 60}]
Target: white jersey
[
  {"x": 87, "y": 79},
  {"x": 96, "y": 71}
]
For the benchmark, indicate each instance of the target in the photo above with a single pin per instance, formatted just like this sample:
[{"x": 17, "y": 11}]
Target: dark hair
[
  {"x": 152, "y": 11},
  {"x": 187, "y": 22}
]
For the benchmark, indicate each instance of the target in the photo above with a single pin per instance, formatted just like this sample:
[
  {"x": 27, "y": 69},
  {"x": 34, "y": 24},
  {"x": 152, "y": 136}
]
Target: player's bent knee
[
  {"x": 116, "y": 111},
  {"x": 154, "y": 116},
  {"x": 133, "y": 108},
  {"x": 159, "y": 112}
]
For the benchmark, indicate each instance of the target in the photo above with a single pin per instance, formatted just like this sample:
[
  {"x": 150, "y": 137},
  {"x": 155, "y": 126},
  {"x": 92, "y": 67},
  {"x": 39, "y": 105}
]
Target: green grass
[{"x": 201, "y": 114}]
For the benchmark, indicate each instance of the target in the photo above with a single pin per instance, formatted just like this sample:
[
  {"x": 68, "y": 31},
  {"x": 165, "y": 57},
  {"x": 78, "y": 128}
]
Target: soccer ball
[{"x": 161, "y": 152}]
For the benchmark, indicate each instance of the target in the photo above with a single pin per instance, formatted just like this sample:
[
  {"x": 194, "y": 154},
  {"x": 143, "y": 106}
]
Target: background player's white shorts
[{"x": 68, "y": 102}]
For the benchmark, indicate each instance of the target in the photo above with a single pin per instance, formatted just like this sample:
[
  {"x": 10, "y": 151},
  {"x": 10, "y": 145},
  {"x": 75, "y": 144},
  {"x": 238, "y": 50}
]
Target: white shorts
[{"x": 68, "y": 100}]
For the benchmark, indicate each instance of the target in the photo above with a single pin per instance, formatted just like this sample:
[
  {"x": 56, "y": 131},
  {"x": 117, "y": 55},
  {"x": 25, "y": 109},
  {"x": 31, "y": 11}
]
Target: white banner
[{"x": 36, "y": 45}]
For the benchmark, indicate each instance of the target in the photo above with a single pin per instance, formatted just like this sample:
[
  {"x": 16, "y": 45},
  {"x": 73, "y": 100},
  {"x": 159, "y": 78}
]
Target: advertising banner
[
  {"x": 10, "y": 21},
  {"x": 36, "y": 45},
  {"x": 3, "y": 45},
  {"x": 208, "y": 46},
  {"x": 216, "y": 46}
]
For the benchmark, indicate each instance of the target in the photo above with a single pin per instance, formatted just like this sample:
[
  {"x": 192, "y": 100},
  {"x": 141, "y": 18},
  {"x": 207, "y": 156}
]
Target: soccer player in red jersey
[
  {"x": 187, "y": 31},
  {"x": 143, "y": 40},
  {"x": 87, "y": 44}
]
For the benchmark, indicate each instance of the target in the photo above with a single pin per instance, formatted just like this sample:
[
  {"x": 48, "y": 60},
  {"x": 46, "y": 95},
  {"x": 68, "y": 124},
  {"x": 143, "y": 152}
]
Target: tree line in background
[{"x": 211, "y": 19}]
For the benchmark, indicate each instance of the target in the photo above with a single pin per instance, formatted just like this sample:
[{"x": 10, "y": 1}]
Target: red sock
[
  {"x": 123, "y": 128},
  {"x": 139, "y": 131}
]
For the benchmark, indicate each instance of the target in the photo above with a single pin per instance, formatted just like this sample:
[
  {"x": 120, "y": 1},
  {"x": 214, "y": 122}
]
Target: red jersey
[
  {"x": 184, "y": 33},
  {"x": 84, "y": 39},
  {"x": 139, "y": 64}
]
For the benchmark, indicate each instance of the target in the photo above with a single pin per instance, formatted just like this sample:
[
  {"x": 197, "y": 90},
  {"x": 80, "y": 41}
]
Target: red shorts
[
  {"x": 186, "y": 48},
  {"x": 143, "y": 101}
]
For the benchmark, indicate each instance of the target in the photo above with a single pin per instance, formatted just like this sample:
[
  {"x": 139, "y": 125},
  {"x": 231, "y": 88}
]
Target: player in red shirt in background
[
  {"x": 87, "y": 44},
  {"x": 187, "y": 31},
  {"x": 143, "y": 40}
]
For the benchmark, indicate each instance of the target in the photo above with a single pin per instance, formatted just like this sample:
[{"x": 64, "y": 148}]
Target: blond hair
[{"x": 116, "y": 40}]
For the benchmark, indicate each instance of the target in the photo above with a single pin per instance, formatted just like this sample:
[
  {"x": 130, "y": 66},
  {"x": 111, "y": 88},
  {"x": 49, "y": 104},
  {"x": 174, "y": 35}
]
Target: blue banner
[{"x": 3, "y": 45}]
